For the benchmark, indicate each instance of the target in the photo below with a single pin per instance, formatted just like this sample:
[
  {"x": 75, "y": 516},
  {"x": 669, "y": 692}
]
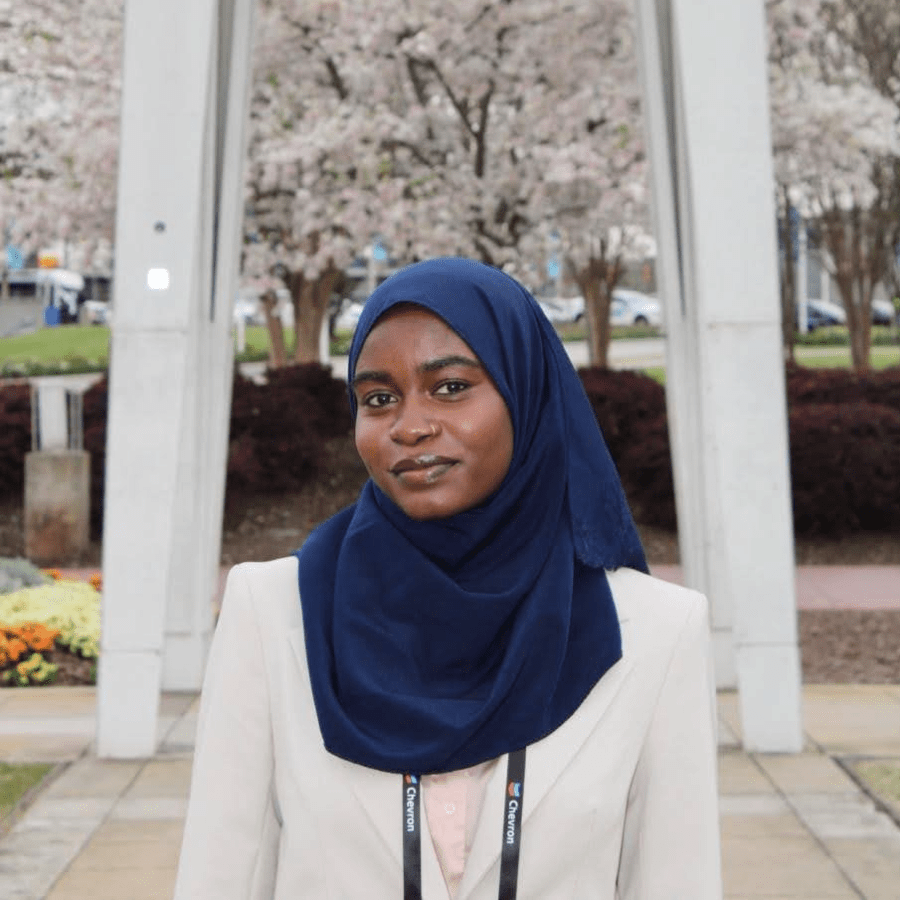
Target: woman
[{"x": 477, "y": 638}]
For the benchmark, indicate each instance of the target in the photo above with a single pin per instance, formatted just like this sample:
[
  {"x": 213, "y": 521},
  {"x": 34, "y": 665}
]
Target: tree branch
[
  {"x": 337, "y": 82},
  {"x": 391, "y": 144},
  {"x": 457, "y": 104},
  {"x": 481, "y": 136}
]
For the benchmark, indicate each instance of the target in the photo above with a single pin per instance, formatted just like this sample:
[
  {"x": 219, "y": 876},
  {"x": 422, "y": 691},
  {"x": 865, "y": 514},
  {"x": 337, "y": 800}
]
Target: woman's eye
[
  {"x": 378, "y": 399},
  {"x": 454, "y": 386}
]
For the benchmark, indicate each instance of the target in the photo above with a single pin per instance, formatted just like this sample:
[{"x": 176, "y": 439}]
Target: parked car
[
  {"x": 634, "y": 308},
  {"x": 348, "y": 317},
  {"x": 822, "y": 314},
  {"x": 834, "y": 312},
  {"x": 628, "y": 307},
  {"x": 561, "y": 310},
  {"x": 883, "y": 313}
]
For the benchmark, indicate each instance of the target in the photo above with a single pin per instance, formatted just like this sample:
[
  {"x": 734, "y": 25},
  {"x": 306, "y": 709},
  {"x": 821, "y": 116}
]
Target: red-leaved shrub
[
  {"x": 844, "y": 440},
  {"x": 841, "y": 386},
  {"x": 95, "y": 402},
  {"x": 631, "y": 410},
  {"x": 15, "y": 437},
  {"x": 622, "y": 401},
  {"x": 278, "y": 430},
  {"x": 845, "y": 467}
]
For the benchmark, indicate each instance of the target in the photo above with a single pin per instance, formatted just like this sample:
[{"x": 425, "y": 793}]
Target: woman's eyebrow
[
  {"x": 372, "y": 375},
  {"x": 431, "y": 365},
  {"x": 442, "y": 362}
]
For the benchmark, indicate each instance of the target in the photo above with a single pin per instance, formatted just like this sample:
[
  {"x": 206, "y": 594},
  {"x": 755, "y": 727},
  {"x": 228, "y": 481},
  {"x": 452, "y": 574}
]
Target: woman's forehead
[{"x": 407, "y": 327}]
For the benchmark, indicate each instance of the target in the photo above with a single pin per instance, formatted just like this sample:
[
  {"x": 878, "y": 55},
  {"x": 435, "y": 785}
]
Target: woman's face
[{"x": 431, "y": 428}]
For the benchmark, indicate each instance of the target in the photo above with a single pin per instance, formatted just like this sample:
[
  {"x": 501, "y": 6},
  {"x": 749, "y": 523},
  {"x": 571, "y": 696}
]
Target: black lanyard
[{"x": 512, "y": 828}]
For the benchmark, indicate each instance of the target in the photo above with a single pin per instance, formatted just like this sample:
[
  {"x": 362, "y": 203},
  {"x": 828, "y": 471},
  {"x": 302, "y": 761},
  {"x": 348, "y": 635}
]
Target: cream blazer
[{"x": 619, "y": 802}]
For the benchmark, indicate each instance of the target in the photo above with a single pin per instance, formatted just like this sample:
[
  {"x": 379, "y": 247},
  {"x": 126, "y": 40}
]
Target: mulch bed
[
  {"x": 73, "y": 669},
  {"x": 850, "y": 646}
]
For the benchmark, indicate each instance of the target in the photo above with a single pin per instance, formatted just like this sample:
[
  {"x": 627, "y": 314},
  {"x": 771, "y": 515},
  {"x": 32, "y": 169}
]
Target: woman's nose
[{"x": 412, "y": 425}]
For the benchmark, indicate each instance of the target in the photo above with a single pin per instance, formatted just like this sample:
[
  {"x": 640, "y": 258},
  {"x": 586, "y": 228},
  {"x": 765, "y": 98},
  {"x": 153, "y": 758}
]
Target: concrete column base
[
  {"x": 723, "y": 656},
  {"x": 57, "y": 506},
  {"x": 127, "y": 703},
  {"x": 184, "y": 661},
  {"x": 770, "y": 697}
]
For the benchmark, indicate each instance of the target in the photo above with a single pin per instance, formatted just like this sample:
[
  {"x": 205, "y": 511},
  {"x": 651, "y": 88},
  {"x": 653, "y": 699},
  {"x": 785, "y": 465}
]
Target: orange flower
[
  {"x": 15, "y": 648},
  {"x": 37, "y": 635},
  {"x": 53, "y": 573},
  {"x": 96, "y": 580}
]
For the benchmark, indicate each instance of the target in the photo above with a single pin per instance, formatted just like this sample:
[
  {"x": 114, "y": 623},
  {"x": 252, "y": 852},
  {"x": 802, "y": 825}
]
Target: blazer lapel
[
  {"x": 544, "y": 763},
  {"x": 378, "y": 794}
]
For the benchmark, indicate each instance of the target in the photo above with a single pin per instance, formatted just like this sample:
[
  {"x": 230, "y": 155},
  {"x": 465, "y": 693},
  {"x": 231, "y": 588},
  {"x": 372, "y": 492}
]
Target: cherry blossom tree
[
  {"x": 869, "y": 36},
  {"x": 471, "y": 128},
  {"x": 592, "y": 188},
  {"x": 60, "y": 92},
  {"x": 836, "y": 145}
]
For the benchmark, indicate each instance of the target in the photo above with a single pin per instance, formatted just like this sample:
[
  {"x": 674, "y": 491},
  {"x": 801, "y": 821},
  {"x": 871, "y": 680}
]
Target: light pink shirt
[{"x": 453, "y": 804}]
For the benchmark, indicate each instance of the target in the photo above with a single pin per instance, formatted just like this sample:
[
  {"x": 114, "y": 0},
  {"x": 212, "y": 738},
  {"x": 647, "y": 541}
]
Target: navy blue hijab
[{"x": 436, "y": 645}]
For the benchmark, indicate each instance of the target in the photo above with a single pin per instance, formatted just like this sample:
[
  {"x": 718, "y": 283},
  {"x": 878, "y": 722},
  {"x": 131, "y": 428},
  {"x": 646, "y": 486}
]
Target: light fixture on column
[{"x": 158, "y": 279}]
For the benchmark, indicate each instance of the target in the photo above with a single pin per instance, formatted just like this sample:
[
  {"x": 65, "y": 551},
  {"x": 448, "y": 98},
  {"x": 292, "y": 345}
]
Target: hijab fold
[{"x": 436, "y": 645}]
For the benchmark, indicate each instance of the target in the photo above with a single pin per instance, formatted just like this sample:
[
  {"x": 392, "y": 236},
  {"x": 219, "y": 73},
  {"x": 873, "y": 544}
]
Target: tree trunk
[
  {"x": 788, "y": 276},
  {"x": 858, "y": 305},
  {"x": 310, "y": 301},
  {"x": 856, "y": 241},
  {"x": 597, "y": 280},
  {"x": 277, "y": 357}
]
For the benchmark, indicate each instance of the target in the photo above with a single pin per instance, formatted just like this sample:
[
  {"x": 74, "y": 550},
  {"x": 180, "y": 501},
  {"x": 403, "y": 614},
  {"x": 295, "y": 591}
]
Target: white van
[{"x": 54, "y": 289}]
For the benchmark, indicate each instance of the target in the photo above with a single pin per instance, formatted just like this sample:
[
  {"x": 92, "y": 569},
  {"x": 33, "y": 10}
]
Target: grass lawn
[
  {"x": 86, "y": 347},
  {"x": 76, "y": 348},
  {"x": 256, "y": 340},
  {"x": 657, "y": 373},
  {"x": 256, "y": 343},
  {"x": 836, "y": 357},
  {"x": 883, "y": 777},
  {"x": 816, "y": 358},
  {"x": 45, "y": 345},
  {"x": 15, "y": 782}
]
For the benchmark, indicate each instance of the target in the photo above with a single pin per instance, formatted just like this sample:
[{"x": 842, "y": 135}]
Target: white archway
[
  {"x": 177, "y": 250},
  {"x": 706, "y": 105}
]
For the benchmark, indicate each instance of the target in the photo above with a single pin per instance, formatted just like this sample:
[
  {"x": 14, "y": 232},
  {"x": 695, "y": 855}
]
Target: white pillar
[
  {"x": 707, "y": 110},
  {"x": 197, "y": 527},
  {"x": 176, "y": 263},
  {"x": 52, "y": 413}
]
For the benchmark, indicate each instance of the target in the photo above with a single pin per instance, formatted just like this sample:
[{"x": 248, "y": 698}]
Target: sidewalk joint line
[
  {"x": 797, "y": 815},
  {"x": 844, "y": 763},
  {"x": 90, "y": 751}
]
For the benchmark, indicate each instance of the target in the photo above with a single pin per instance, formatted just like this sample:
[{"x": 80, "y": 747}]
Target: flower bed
[{"x": 48, "y": 629}]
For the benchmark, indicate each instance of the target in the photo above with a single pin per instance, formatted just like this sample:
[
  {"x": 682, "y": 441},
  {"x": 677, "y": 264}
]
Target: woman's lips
[{"x": 422, "y": 470}]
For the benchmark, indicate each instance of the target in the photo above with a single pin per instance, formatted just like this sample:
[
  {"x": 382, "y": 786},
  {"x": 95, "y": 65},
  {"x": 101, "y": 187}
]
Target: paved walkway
[
  {"x": 793, "y": 826},
  {"x": 831, "y": 587}
]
